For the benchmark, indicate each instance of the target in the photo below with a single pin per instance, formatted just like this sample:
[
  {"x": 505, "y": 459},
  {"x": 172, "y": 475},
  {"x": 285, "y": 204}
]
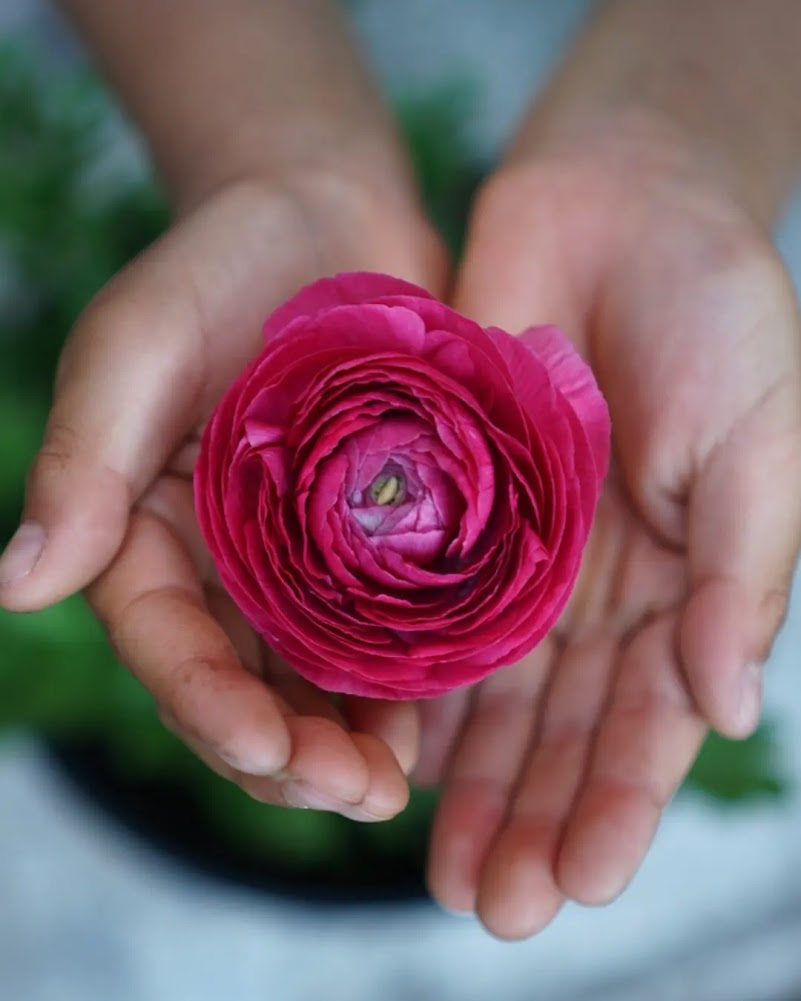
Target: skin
[
  {"x": 629, "y": 214},
  {"x": 633, "y": 210},
  {"x": 274, "y": 186}
]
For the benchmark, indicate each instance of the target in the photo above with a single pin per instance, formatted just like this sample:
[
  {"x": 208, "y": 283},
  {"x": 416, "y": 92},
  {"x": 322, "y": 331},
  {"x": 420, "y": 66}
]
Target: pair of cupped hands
[{"x": 554, "y": 771}]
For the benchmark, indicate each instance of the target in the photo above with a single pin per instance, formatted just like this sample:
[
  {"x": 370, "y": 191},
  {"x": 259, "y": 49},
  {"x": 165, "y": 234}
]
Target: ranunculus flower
[{"x": 396, "y": 498}]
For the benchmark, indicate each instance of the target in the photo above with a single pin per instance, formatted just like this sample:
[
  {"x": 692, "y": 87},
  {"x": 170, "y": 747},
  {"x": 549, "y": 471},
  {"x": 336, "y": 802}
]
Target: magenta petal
[
  {"x": 574, "y": 378},
  {"x": 258, "y": 433},
  {"x": 346, "y": 289}
]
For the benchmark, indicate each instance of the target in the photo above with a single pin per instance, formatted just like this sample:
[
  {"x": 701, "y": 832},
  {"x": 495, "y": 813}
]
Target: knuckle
[
  {"x": 773, "y": 610},
  {"x": 58, "y": 451},
  {"x": 98, "y": 320},
  {"x": 737, "y": 253},
  {"x": 137, "y": 309}
]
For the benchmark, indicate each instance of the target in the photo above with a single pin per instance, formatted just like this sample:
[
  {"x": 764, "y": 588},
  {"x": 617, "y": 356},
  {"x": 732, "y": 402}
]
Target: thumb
[
  {"x": 744, "y": 538},
  {"x": 144, "y": 364},
  {"x": 124, "y": 397},
  {"x": 130, "y": 386},
  {"x": 516, "y": 272}
]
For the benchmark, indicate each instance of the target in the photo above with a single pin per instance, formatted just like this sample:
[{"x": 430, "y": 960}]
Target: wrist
[
  {"x": 355, "y": 170},
  {"x": 229, "y": 91},
  {"x": 636, "y": 147},
  {"x": 710, "y": 86},
  {"x": 621, "y": 166}
]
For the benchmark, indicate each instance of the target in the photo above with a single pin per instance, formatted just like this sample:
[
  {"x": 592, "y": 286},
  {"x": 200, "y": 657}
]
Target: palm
[
  {"x": 557, "y": 770},
  {"x": 214, "y": 696}
]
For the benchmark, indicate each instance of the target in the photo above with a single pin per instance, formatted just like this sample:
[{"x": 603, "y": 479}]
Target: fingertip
[
  {"x": 75, "y": 523},
  {"x": 241, "y": 726},
  {"x": 326, "y": 758},
  {"x": 749, "y": 703},
  {"x": 253, "y": 752},
  {"x": 717, "y": 640},
  {"x": 262, "y": 788},
  {"x": 388, "y": 791},
  {"x": 465, "y": 823},
  {"x": 609, "y": 834},
  {"x": 518, "y": 896},
  {"x": 19, "y": 559}
]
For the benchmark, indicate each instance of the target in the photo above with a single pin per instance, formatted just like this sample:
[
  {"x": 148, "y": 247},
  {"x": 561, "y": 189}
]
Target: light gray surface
[
  {"x": 504, "y": 48},
  {"x": 86, "y": 914}
]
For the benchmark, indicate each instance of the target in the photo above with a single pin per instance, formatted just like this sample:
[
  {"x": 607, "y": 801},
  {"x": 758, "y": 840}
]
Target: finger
[
  {"x": 397, "y": 724},
  {"x": 171, "y": 500},
  {"x": 142, "y": 367},
  {"x": 518, "y": 892},
  {"x": 151, "y": 603},
  {"x": 385, "y": 793},
  {"x": 648, "y": 738},
  {"x": 744, "y": 537},
  {"x": 267, "y": 789},
  {"x": 388, "y": 791},
  {"x": 325, "y": 769},
  {"x": 627, "y": 575},
  {"x": 481, "y": 777},
  {"x": 441, "y": 721},
  {"x": 325, "y": 764}
]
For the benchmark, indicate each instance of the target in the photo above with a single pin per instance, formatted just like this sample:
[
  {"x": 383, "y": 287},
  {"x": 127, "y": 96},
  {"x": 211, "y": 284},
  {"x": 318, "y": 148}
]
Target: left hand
[{"x": 556, "y": 771}]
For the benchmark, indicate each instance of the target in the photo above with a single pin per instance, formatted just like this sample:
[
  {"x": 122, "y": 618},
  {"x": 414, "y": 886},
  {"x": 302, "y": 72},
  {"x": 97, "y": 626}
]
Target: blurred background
[{"x": 128, "y": 871}]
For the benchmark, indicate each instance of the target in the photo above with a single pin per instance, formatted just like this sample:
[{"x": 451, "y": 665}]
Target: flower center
[{"x": 388, "y": 489}]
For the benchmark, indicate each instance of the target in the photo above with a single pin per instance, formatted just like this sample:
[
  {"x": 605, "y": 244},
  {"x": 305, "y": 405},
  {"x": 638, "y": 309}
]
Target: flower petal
[
  {"x": 574, "y": 378},
  {"x": 345, "y": 289}
]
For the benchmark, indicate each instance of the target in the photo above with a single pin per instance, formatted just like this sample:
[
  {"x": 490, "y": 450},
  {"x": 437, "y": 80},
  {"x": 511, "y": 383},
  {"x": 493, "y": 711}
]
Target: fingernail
[
  {"x": 256, "y": 758},
  {"x": 452, "y": 912},
  {"x": 750, "y": 696},
  {"x": 22, "y": 553},
  {"x": 304, "y": 797},
  {"x": 249, "y": 765}
]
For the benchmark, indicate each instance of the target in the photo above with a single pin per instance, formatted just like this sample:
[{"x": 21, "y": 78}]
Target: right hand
[
  {"x": 109, "y": 502},
  {"x": 556, "y": 771}
]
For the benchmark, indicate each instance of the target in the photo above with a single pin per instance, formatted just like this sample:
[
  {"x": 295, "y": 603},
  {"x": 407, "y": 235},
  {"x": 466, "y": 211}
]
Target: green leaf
[
  {"x": 296, "y": 837},
  {"x": 52, "y": 669},
  {"x": 22, "y": 418},
  {"x": 739, "y": 772},
  {"x": 436, "y": 124}
]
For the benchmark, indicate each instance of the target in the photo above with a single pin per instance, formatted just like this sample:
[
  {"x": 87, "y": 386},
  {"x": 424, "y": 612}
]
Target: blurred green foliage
[
  {"x": 435, "y": 126},
  {"x": 734, "y": 772},
  {"x": 61, "y": 237}
]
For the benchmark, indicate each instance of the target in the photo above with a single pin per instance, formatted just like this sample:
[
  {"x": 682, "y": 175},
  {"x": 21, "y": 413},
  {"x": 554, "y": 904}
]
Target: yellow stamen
[{"x": 387, "y": 490}]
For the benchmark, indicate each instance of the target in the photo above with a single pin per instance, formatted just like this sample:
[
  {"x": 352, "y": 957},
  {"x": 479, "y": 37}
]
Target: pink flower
[{"x": 396, "y": 498}]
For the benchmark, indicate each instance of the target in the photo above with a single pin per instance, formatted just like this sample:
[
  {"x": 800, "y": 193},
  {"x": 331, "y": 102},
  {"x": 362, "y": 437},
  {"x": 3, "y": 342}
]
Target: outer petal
[
  {"x": 352, "y": 288},
  {"x": 574, "y": 378}
]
